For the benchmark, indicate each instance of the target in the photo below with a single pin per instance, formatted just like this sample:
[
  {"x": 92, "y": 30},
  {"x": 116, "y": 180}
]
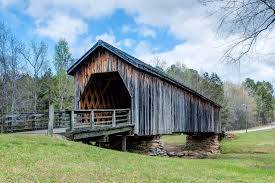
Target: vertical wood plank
[
  {"x": 72, "y": 120},
  {"x": 114, "y": 118},
  {"x": 51, "y": 120},
  {"x": 157, "y": 106},
  {"x": 123, "y": 143},
  {"x": 92, "y": 118},
  {"x": 129, "y": 117}
]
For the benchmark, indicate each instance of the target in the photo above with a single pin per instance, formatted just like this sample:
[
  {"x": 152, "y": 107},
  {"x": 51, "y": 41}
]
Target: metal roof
[{"x": 136, "y": 63}]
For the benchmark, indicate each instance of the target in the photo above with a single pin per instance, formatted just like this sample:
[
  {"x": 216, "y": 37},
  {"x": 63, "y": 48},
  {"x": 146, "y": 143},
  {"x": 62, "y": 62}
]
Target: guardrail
[
  {"x": 33, "y": 121},
  {"x": 97, "y": 118}
]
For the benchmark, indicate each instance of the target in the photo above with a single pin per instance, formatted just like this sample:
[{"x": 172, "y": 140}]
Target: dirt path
[{"x": 271, "y": 126}]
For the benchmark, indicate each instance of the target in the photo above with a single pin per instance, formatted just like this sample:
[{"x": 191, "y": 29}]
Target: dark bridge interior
[{"x": 105, "y": 91}]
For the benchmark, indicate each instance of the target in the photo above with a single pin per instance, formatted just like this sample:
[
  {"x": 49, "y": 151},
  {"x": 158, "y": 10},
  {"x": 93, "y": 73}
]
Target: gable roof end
[{"x": 136, "y": 63}]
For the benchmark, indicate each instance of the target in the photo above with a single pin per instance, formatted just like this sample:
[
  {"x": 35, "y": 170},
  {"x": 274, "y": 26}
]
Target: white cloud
[
  {"x": 201, "y": 49},
  {"x": 179, "y": 16},
  {"x": 140, "y": 29},
  {"x": 62, "y": 27},
  {"x": 80, "y": 47},
  {"x": 146, "y": 32},
  {"x": 143, "y": 51},
  {"x": 187, "y": 20},
  {"x": 7, "y": 3},
  {"x": 81, "y": 8},
  {"x": 109, "y": 38},
  {"x": 128, "y": 42}
]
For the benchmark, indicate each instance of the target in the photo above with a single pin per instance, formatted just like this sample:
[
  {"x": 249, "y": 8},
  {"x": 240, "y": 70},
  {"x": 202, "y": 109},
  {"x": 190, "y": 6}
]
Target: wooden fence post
[
  {"x": 123, "y": 143},
  {"x": 51, "y": 120},
  {"x": 72, "y": 120},
  {"x": 114, "y": 118},
  {"x": 92, "y": 118},
  {"x": 129, "y": 117}
]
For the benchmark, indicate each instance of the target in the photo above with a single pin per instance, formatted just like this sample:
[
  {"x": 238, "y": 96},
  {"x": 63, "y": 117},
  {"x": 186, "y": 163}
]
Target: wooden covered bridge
[{"x": 115, "y": 93}]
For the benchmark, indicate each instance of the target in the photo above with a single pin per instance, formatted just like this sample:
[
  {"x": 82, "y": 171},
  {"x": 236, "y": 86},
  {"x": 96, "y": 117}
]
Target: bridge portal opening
[{"x": 105, "y": 91}]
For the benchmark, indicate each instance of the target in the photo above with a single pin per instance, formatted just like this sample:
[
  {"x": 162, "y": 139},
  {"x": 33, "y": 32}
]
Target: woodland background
[{"x": 30, "y": 81}]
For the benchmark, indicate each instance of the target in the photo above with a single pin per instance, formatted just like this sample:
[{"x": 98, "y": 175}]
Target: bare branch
[{"x": 245, "y": 20}]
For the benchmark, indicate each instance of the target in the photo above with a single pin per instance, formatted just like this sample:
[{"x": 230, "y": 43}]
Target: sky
[{"x": 174, "y": 31}]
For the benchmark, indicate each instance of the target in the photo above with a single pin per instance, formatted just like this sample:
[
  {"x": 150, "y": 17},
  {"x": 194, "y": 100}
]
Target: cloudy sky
[{"x": 174, "y": 30}]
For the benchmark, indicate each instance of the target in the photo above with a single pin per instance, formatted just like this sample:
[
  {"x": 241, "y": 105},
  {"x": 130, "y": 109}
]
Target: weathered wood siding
[{"x": 157, "y": 106}]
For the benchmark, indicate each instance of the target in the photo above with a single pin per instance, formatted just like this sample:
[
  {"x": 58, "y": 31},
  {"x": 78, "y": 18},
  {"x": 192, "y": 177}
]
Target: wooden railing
[
  {"x": 97, "y": 118},
  {"x": 33, "y": 121}
]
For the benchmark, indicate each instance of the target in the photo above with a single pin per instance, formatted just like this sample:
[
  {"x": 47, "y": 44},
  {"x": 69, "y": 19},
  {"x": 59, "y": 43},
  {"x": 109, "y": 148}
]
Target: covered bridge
[{"x": 109, "y": 80}]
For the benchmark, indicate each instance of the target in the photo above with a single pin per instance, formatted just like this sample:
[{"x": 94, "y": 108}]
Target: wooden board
[{"x": 157, "y": 106}]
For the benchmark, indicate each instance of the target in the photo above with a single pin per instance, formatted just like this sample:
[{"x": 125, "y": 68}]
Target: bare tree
[
  {"x": 15, "y": 49},
  {"x": 3, "y": 69},
  {"x": 35, "y": 56},
  {"x": 3, "y": 65},
  {"x": 9, "y": 59},
  {"x": 159, "y": 63},
  {"x": 242, "y": 107},
  {"x": 245, "y": 20}
]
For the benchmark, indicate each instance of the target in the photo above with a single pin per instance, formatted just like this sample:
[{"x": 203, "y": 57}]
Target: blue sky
[{"x": 174, "y": 31}]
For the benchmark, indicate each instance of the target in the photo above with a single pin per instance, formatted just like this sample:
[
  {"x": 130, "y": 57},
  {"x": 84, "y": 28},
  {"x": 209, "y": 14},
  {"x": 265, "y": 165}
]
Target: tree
[
  {"x": 246, "y": 20},
  {"x": 250, "y": 86},
  {"x": 63, "y": 57},
  {"x": 64, "y": 83},
  {"x": 263, "y": 95},
  {"x": 4, "y": 68},
  {"x": 188, "y": 77},
  {"x": 241, "y": 107},
  {"x": 210, "y": 86},
  {"x": 46, "y": 92},
  {"x": 15, "y": 48},
  {"x": 213, "y": 88},
  {"x": 10, "y": 48},
  {"x": 159, "y": 63},
  {"x": 35, "y": 56},
  {"x": 24, "y": 97}
]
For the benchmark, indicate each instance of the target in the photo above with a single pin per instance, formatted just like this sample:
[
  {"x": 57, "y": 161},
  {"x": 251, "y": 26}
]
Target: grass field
[
  {"x": 174, "y": 139},
  {"x": 248, "y": 158}
]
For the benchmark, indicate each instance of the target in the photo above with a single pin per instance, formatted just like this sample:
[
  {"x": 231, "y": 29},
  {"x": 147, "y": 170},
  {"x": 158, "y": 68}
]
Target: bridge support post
[
  {"x": 114, "y": 118},
  {"x": 202, "y": 144},
  {"x": 123, "y": 143},
  {"x": 92, "y": 118},
  {"x": 51, "y": 120},
  {"x": 72, "y": 120}
]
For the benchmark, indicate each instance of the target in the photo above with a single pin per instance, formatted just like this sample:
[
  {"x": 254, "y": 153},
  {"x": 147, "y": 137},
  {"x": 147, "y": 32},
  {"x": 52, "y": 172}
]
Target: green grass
[
  {"x": 253, "y": 142},
  {"x": 249, "y": 158},
  {"x": 174, "y": 139}
]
